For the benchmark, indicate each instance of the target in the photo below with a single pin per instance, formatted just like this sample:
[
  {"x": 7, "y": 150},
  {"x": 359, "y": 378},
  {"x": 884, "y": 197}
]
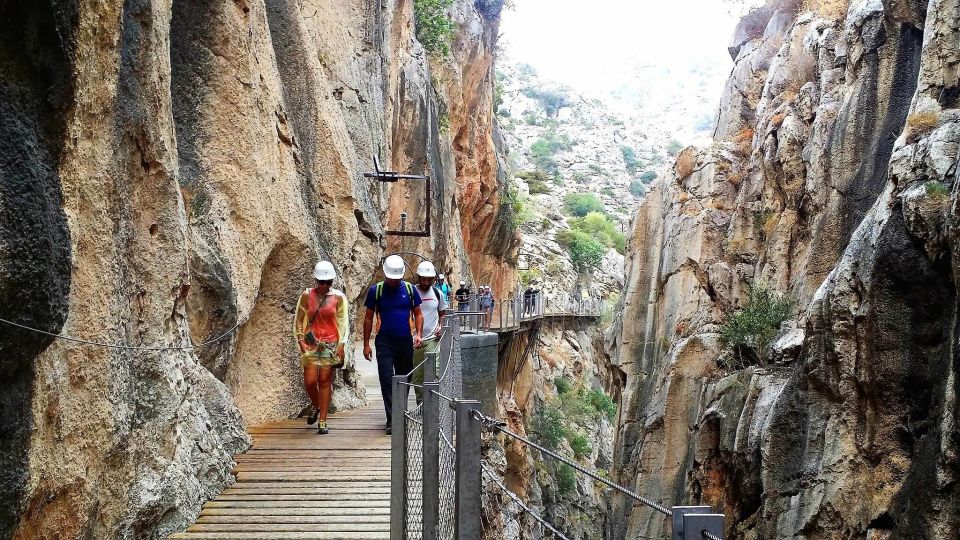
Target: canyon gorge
[{"x": 171, "y": 170}]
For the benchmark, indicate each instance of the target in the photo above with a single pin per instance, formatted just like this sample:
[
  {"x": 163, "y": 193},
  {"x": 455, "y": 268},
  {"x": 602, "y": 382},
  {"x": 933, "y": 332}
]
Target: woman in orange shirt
[{"x": 321, "y": 328}]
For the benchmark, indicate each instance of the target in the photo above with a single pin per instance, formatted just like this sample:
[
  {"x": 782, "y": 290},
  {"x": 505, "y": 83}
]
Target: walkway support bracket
[
  {"x": 468, "y": 482},
  {"x": 398, "y": 460},
  {"x": 392, "y": 177}
]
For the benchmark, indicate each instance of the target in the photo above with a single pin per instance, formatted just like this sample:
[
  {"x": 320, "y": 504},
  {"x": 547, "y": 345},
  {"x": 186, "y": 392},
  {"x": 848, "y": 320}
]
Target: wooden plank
[
  {"x": 301, "y": 503},
  {"x": 294, "y": 511},
  {"x": 284, "y": 536},
  {"x": 346, "y": 498},
  {"x": 289, "y": 527},
  {"x": 310, "y": 485},
  {"x": 293, "y": 519}
]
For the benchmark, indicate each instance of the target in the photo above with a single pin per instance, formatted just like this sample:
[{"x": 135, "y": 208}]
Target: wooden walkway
[{"x": 295, "y": 484}]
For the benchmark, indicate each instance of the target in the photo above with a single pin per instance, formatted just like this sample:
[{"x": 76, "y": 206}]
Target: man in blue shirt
[{"x": 393, "y": 300}]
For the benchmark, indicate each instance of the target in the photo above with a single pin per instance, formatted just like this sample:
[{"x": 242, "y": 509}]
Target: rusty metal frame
[{"x": 390, "y": 176}]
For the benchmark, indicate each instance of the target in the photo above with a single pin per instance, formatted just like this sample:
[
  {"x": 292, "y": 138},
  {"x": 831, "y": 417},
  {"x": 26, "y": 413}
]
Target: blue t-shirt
[{"x": 395, "y": 309}]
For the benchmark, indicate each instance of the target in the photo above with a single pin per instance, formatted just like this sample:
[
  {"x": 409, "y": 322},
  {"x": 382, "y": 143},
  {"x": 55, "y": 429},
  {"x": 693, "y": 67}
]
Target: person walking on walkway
[
  {"x": 463, "y": 297},
  {"x": 486, "y": 304},
  {"x": 433, "y": 309},
  {"x": 394, "y": 301},
  {"x": 444, "y": 287},
  {"x": 321, "y": 326}
]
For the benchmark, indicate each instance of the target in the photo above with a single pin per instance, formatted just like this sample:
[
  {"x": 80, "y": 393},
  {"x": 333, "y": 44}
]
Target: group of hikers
[{"x": 410, "y": 320}]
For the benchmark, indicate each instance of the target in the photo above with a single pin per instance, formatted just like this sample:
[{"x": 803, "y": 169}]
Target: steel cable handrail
[
  {"x": 496, "y": 425},
  {"x": 520, "y": 503},
  {"x": 123, "y": 347}
]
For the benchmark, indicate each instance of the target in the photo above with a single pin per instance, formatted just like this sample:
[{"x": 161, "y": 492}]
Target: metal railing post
[
  {"x": 445, "y": 342},
  {"x": 398, "y": 460},
  {"x": 468, "y": 480},
  {"x": 431, "y": 459},
  {"x": 430, "y": 367}
]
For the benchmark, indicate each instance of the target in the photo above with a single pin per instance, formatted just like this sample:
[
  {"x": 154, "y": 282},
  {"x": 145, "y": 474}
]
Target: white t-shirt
[{"x": 431, "y": 308}]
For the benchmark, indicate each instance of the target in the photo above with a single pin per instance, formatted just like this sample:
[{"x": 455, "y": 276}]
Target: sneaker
[
  {"x": 322, "y": 428},
  {"x": 387, "y": 431},
  {"x": 314, "y": 413}
]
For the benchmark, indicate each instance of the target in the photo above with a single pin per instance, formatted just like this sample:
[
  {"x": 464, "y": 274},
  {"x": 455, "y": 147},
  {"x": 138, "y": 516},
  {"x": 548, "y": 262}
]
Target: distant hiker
[
  {"x": 444, "y": 287},
  {"x": 528, "y": 301},
  {"x": 433, "y": 307},
  {"x": 486, "y": 303},
  {"x": 463, "y": 297},
  {"x": 393, "y": 300},
  {"x": 321, "y": 326}
]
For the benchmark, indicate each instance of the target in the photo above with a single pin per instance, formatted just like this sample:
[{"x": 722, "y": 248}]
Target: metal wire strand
[
  {"x": 494, "y": 424},
  {"x": 709, "y": 535},
  {"x": 123, "y": 347},
  {"x": 520, "y": 503}
]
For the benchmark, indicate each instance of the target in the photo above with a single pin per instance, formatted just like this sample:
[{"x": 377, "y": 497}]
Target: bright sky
[{"x": 593, "y": 45}]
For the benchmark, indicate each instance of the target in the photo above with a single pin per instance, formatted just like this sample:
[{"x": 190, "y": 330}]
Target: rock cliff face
[
  {"x": 832, "y": 179},
  {"x": 552, "y": 390},
  {"x": 171, "y": 170}
]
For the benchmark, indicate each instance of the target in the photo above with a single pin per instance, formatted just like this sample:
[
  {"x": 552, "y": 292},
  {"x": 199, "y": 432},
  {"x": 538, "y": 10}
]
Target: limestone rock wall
[
  {"x": 171, "y": 170},
  {"x": 831, "y": 180}
]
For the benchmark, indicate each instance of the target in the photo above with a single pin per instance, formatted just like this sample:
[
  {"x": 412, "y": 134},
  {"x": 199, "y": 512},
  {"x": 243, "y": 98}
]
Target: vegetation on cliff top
[{"x": 434, "y": 27}]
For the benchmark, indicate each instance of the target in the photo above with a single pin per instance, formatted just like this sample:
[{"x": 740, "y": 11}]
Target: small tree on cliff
[
  {"x": 750, "y": 329},
  {"x": 434, "y": 26}
]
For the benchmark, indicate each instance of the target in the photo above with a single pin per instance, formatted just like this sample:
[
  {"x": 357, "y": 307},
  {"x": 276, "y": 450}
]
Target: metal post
[
  {"x": 468, "y": 471},
  {"x": 445, "y": 343},
  {"x": 431, "y": 459},
  {"x": 429, "y": 368},
  {"x": 398, "y": 460}
]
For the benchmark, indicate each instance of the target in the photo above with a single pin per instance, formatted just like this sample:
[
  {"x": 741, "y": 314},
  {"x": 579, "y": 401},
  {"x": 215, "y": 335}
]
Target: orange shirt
[{"x": 325, "y": 320}]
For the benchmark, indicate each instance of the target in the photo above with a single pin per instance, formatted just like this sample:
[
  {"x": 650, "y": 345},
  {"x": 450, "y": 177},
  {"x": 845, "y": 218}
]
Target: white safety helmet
[
  {"x": 426, "y": 269},
  {"x": 441, "y": 276},
  {"x": 462, "y": 283},
  {"x": 393, "y": 267},
  {"x": 324, "y": 271}
]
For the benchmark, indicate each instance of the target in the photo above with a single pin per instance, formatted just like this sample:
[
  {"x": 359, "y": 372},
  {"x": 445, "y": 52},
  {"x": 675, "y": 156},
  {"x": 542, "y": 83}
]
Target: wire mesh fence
[{"x": 414, "y": 473}]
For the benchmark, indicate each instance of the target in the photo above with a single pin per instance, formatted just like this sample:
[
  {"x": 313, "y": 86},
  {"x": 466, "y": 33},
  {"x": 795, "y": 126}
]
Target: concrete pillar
[{"x": 478, "y": 359}]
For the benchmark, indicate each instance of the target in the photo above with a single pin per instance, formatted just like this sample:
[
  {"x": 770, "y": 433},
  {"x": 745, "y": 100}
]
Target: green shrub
[
  {"x": 514, "y": 207},
  {"x": 581, "y": 204},
  {"x": 434, "y": 27},
  {"x": 629, "y": 158},
  {"x": 674, "y": 147},
  {"x": 750, "y": 329},
  {"x": 551, "y": 100},
  {"x": 527, "y": 70},
  {"x": 602, "y": 403},
  {"x": 530, "y": 119},
  {"x": 580, "y": 445},
  {"x": 936, "y": 190},
  {"x": 548, "y": 426},
  {"x": 537, "y": 181},
  {"x": 566, "y": 478},
  {"x": 602, "y": 229},
  {"x": 585, "y": 252},
  {"x": 563, "y": 385},
  {"x": 529, "y": 275},
  {"x": 637, "y": 189},
  {"x": 648, "y": 176}
]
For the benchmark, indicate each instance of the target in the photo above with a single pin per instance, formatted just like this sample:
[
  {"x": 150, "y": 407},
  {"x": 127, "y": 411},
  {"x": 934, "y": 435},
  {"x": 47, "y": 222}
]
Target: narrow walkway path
[{"x": 295, "y": 484}]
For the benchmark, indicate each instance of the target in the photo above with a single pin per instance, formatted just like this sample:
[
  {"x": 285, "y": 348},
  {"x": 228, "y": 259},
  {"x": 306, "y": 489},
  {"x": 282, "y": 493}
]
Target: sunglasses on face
[{"x": 325, "y": 282}]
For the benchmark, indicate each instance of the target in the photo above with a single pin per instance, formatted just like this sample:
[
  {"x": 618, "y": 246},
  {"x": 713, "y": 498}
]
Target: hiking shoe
[
  {"x": 314, "y": 413},
  {"x": 322, "y": 428}
]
